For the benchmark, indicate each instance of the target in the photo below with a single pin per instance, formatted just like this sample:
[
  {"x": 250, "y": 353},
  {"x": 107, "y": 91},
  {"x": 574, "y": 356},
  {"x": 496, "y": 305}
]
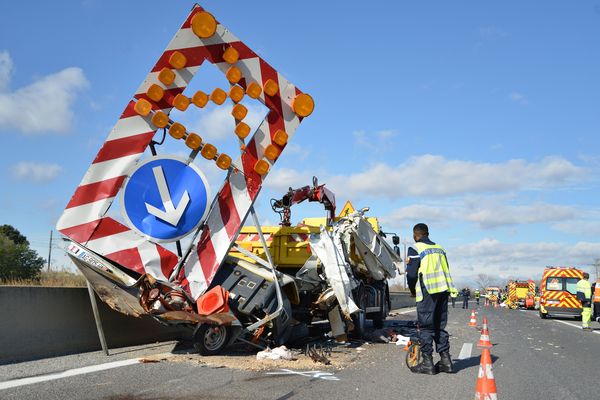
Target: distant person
[
  {"x": 453, "y": 296},
  {"x": 477, "y": 295},
  {"x": 584, "y": 295},
  {"x": 431, "y": 289},
  {"x": 466, "y": 295}
]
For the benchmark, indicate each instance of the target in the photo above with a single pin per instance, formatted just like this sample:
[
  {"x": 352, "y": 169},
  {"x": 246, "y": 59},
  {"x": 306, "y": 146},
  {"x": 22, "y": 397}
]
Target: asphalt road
[{"x": 533, "y": 359}]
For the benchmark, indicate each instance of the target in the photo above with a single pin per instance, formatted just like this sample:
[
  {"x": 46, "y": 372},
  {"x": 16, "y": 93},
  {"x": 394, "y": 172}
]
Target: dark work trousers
[
  {"x": 432, "y": 315},
  {"x": 465, "y": 302},
  {"x": 453, "y": 301}
]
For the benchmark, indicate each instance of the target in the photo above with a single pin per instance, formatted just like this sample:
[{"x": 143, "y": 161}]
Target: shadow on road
[{"x": 466, "y": 363}]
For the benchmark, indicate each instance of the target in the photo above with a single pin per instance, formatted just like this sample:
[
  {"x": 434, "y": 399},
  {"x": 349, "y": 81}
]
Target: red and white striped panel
[
  {"x": 298, "y": 237},
  {"x": 240, "y": 190},
  {"x": 84, "y": 219},
  {"x": 253, "y": 237}
]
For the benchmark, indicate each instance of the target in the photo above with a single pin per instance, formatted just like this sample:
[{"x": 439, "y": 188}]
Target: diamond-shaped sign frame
[{"x": 84, "y": 220}]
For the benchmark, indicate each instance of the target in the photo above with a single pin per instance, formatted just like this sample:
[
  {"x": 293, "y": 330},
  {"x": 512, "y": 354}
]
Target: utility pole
[
  {"x": 50, "y": 250},
  {"x": 596, "y": 266}
]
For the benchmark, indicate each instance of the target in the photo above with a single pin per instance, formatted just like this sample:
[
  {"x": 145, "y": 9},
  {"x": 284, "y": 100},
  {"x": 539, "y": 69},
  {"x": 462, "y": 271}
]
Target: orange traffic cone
[
  {"x": 473, "y": 321},
  {"x": 484, "y": 340},
  {"x": 485, "y": 389}
]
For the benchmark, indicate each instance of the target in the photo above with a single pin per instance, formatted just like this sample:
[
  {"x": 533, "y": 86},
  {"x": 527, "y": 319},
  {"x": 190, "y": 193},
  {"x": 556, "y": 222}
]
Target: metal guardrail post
[{"x": 97, "y": 318}]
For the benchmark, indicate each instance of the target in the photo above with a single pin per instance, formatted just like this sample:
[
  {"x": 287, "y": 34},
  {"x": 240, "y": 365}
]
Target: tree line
[{"x": 17, "y": 260}]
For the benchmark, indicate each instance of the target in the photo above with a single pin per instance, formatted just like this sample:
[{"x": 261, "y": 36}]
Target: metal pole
[
  {"x": 405, "y": 262},
  {"x": 97, "y": 318},
  {"x": 49, "y": 250}
]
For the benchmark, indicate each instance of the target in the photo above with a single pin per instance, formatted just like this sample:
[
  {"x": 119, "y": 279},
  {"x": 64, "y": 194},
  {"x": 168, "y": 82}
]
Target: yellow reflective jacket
[{"x": 433, "y": 271}]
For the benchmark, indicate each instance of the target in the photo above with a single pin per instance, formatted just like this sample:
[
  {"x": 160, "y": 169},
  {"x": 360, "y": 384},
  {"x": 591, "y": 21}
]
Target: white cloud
[
  {"x": 491, "y": 256},
  {"x": 493, "y": 216},
  {"x": 418, "y": 212},
  {"x": 518, "y": 98},
  {"x": 6, "y": 69},
  {"x": 281, "y": 179},
  {"x": 44, "y": 105},
  {"x": 36, "y": 172},
  {"x": 486, "y": 213},
  {"x": 435, "y": 176}
]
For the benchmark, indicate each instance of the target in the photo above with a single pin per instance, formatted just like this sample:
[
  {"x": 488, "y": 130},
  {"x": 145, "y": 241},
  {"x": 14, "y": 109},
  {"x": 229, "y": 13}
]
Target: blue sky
[{"x": 479, "y": 118}]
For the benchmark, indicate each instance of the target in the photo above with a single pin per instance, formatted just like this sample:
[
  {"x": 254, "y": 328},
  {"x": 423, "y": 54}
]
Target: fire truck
[
  {"x": 559, "y": 292},
  {"x": 492, "y": 294},
  {"x": 521, "y": 294}
]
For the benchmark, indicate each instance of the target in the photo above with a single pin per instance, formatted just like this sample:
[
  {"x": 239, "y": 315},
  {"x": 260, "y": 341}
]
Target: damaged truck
[
  {"x": 329, "y": 269},
  {"x": 169, "y": 249}
]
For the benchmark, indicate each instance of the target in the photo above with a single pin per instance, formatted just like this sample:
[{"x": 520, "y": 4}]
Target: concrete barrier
[
  {"x": 38, "y": 322},
  {"x": 401, "y": 300}
]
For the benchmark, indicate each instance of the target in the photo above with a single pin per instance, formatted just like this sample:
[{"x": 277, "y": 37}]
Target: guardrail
[
  {"x": 401, "y": 300},
  {"x": 38, "y": 322}
]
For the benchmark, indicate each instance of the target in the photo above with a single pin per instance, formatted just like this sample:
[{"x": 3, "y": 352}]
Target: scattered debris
[
  {"x": 278, "y": 353},
  {"x": 318, "y": 354},
  {"x": 151, "y": 360}
]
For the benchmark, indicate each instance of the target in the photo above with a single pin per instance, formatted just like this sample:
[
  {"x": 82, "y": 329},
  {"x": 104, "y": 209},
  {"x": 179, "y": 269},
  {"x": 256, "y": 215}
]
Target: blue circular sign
[{"x": 165, "y": 198}]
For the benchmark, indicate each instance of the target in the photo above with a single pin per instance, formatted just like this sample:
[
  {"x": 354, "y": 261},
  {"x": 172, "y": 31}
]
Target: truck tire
[
  {"x": 379, "y": 320},
  {"x": 359, "y": 318},
  {"x": 210, "y": 340}
]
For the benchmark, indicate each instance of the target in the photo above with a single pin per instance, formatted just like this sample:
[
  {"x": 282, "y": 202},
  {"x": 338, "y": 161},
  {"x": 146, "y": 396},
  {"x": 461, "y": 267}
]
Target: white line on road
[
  {"x": 65, "y": 374},
  {"x": 412, "y": 309},
  {"x": 465, "y": 352},
  {"x": 574, "y": 325},
  {"x": 327, "y": 376}
]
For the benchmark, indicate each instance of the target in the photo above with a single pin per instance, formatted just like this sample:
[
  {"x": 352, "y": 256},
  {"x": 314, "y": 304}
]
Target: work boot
[
  {"x": 425, "y": 366},
  {"x": 445, "y": 363}
]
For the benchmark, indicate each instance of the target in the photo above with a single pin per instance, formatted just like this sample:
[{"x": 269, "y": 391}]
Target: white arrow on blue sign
[{"x": 165, "y": 198}]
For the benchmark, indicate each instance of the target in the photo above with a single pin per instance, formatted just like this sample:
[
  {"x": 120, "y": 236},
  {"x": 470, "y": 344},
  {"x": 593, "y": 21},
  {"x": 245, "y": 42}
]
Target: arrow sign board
[{"x": 165, "y": 198}]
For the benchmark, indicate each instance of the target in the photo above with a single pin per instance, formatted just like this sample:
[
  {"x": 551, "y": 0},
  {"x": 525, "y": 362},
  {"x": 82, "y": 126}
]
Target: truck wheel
[
  {"x": 379, "y": 320},
  {"x": 210, "y": 340},
  {"x": 359, "y": 318}
]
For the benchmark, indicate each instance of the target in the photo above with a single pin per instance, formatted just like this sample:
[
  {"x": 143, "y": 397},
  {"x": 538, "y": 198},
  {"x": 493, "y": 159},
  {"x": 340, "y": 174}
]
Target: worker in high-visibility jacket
[
  {"x": 433, "y": 286},
  {"x": 584, "y": 294}
]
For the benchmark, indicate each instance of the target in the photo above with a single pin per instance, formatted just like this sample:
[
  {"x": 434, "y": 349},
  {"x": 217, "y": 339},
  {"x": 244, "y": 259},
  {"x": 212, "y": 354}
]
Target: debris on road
[{"x": 278, "y": 353}]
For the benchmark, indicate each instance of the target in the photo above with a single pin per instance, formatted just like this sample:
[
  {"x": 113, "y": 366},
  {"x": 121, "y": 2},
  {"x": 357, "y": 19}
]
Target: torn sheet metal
[
  {"x": 116, "y": 289},
  {"x": 366, "y": 249},
  {"x": 336, "y": 270}
]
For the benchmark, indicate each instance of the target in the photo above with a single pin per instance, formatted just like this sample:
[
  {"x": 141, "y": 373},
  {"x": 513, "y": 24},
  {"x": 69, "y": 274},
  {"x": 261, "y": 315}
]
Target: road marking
[
  {"x": 408, "y": 311},
  {"x": 65, "y": 374},
  {"x": 574, "y": 325},
  {"x": 328, "y": 376},
  {"x": 466, "y": 350}
]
